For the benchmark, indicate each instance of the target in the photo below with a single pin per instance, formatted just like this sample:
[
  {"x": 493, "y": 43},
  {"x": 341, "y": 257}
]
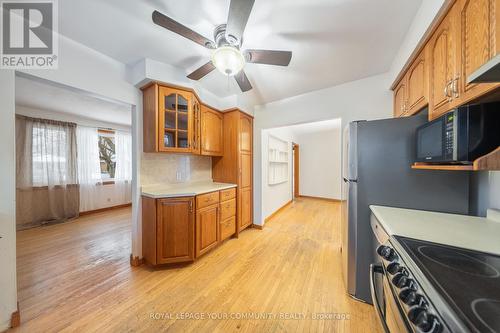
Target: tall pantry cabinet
[{"x": 236, "y": 166}]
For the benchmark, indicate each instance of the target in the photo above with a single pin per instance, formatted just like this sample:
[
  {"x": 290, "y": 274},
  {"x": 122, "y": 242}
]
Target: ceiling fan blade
[
  {"x": 202, "y": 71},
  {"x": 243, "y": 81},
  {"x": 239, "y": 11},
  {"x": 174, "y": 26},
  {"x": 268, "y": 57}
]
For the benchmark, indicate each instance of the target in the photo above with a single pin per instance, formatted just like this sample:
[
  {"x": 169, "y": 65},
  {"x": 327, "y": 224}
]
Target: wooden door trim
[{"x": 296, "y": 170}]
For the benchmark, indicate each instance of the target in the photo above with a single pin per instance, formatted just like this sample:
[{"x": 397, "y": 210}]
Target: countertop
[
  {"x": 183, "y": 190},
  {"x": 469, "y": 232}
]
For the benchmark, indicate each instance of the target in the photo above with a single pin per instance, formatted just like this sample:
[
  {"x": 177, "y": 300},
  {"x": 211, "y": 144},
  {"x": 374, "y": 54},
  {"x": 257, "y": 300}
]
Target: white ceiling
[
  {"x": 40, "y": 95},
  {"x": 333, "y": 41}
]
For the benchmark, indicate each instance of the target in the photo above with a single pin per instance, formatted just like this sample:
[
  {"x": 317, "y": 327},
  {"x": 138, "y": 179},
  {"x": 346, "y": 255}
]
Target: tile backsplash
[{"x": 174, "y": 168}]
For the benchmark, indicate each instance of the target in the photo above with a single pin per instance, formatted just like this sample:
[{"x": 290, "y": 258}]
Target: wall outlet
[{"x": 179, "y": 176}]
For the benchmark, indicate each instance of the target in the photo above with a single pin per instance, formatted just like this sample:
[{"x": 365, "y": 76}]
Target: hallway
[{"x": 76, "y": 277}]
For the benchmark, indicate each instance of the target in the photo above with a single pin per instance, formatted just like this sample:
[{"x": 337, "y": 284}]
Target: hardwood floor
[{"x": 77, "y": 277}]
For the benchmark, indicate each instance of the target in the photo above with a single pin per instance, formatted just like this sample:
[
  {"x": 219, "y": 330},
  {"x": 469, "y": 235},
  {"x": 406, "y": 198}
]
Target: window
[
  {"x": 49, "y": 153},
  {"x": 107, "y": 154}
]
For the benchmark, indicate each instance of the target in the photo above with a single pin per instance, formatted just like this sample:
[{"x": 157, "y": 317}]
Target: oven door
[{"x": 384, "y": 301}]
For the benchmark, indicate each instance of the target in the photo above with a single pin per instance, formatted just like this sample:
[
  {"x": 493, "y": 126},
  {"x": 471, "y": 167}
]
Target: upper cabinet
[
  {"x": 400, "y": 98},
  {"x": 465, "y": 38},
  {"x": 411, "y": 93},
  {"x": 443, "y": 50},
  {"x": 174, "y": 120},
  {"x": 211, "y": 132},
  {"x": 478, "y": 36}
]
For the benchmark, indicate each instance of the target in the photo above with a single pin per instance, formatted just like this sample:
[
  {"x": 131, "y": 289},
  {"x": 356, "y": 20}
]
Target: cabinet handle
[
  {"x": 455, "y": 86},
  {"x": 191, "y": 206},
  {"x": 446, "y": 89}
]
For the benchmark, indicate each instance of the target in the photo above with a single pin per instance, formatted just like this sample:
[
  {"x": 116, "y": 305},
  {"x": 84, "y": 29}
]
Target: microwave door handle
[{"x": 377, "y": 269}]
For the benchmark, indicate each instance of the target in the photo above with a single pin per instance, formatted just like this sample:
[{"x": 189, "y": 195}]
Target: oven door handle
[{"x": 377, "y": 269}]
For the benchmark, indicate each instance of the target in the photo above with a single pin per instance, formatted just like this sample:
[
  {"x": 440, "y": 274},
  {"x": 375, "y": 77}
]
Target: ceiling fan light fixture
[{"x": 228, "y": 60}]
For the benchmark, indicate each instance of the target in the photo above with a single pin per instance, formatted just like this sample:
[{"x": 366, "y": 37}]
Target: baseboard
[
  {"x": 277, "y": 211},
  {"x": 320, "y": 198},
  {"x": 15, "y": 318},
  {"x": 257, "y": 226},
  {"x": 89, "y": 212},
  {"x": 136, "y": 261}
]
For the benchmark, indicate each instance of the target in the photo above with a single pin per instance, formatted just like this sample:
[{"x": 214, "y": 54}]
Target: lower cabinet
[
  {"x": 207, "y": 222},
  {"x": 168, "y": 230},
  {"x": 245, "y": 207},
  {"x": 177, "y": 230}
]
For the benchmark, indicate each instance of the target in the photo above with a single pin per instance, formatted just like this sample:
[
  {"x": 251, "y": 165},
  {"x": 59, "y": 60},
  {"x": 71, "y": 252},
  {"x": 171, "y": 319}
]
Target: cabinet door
[
  {"x": 207, "y": 222},
  {"x": 246, "y": 132},
  {"x": 417, "y": 83},
  {"x": 443, "y": 56},
  {"x": 245, "y": 170},
  {"x": 196, "y": 141},
  {"x": 175, "y": 120},
  {"x": 245, "y": 208},
  {"x": 175, "y": 230},
  {"x": 400, "y": 98},
  {"x": 478, "y": 21},
  {"x": 211, "y": 132}
]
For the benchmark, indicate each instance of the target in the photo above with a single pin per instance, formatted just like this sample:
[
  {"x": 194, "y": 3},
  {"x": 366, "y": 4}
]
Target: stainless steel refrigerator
[{"x": 377, "y": 158}]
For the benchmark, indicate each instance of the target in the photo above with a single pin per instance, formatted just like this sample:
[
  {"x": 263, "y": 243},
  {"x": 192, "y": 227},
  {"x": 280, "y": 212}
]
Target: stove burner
[
  {"x": 458, "y": 261},
  {"x": 486, "y": 311}
]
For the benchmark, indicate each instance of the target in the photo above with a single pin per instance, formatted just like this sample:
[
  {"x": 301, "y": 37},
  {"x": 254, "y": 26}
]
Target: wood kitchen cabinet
[
  {"x": 411, "y": 93},
  {"x": 196, "y": 145},
  {"x": 400, "y": 98},
  {"x": 207, "y": 229},
  {"x": 175, "y": 121},
  {"x": 168, "y": 121},
  {"x": 211, "y": 132},
  {"x": 463, "y": 39},
  {"x": 479, "y": 37},
  {"x": 168, "y": 230},
  {"x": 443, "y": 51},
  {"x": 181, "y": 229},
  {"x": 236, "y": 164},
  {"x": 417, "y": 81}
]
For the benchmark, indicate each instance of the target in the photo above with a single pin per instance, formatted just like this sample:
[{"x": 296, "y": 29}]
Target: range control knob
[
  {"x": 427, "y": 323},
  {"x": 401, "y": 280},
  {"x": 409, "y": 296},
  {"x": 386, "y": 252},
  {"x": 393, "y": 268}
]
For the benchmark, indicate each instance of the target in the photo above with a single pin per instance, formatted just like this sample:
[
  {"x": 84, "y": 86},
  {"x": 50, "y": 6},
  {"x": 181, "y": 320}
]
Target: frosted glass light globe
[{"x": 228, "y": 60}]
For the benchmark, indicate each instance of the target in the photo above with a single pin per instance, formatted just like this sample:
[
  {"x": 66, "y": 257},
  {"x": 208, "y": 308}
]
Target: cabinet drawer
[
  {"x": 227, "y": 228},
  {"x": 227, "y": 194},
  {"x": 207, "y": 199},
  {"x": 227, "y": 209}
]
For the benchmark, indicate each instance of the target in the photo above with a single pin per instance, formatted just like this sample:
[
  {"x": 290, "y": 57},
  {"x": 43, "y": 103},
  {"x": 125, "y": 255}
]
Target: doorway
[{"x": 296, "y": 167}]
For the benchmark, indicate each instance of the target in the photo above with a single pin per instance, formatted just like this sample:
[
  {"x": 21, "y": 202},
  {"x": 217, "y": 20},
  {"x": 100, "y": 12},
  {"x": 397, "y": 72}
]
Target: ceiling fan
[{"x": 227, "y": 56}]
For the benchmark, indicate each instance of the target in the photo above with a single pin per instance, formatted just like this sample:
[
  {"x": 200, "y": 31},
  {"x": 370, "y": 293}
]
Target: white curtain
[
  {"x": 46, "y": 173},
  {"x": 89, "y": 171},
  {"x": 123, "y": 171}
]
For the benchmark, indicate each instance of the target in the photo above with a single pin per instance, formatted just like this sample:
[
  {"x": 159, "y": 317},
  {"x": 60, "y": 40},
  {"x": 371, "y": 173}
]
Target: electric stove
[{"x": 463, "y": 285}]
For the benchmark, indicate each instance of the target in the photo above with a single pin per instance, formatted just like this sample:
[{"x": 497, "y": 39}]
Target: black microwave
[{"x": 460, "y": 136}]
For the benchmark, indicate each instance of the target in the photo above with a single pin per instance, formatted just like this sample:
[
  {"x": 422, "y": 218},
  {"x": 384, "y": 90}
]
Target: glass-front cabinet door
[
  {"x": 175, "y": 120},
  {"x": 196, "y": 144}
]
